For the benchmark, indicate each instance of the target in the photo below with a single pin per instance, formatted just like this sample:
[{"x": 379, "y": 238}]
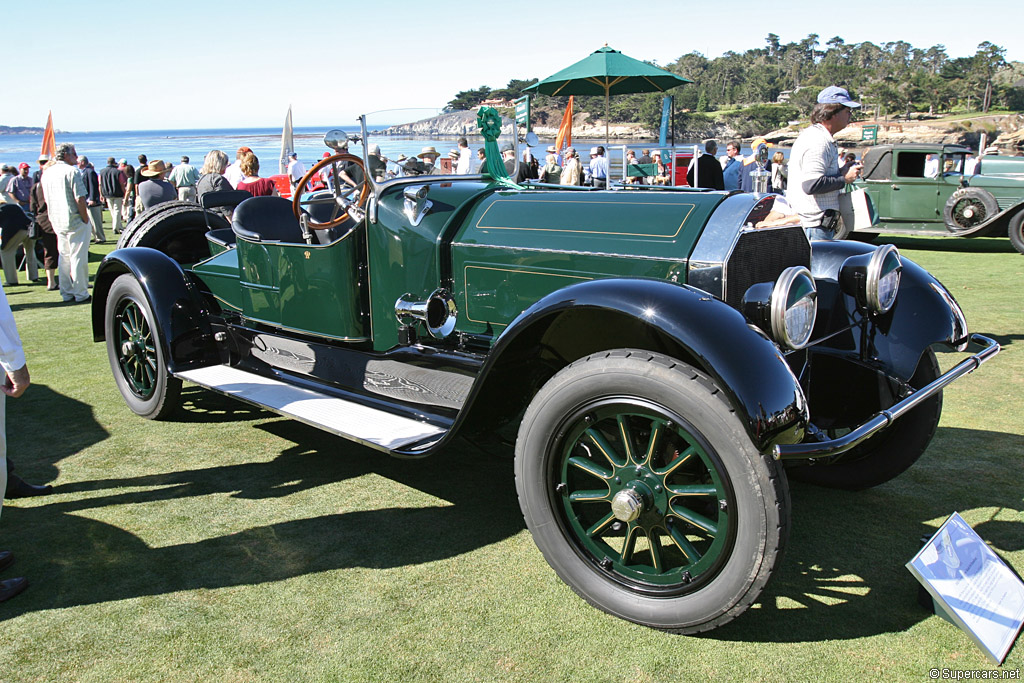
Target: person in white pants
[{"x": 65, "y": 200}]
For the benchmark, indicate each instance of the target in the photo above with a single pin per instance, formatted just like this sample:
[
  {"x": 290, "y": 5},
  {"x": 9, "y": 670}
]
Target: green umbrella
[{"x": 608, "y": 72}]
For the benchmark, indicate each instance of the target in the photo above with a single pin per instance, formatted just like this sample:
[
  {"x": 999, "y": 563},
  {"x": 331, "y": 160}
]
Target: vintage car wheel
[
  {"x": 176, "y": 228},
  {"x": 341, "y": 199},
  {"x": 969, "y": 207},
  {"x": 645, "y": 494},
  {"x": 136, "y": 357},
  {"x": 1016, "y": 232},
  {"x": 890, "y": 452}
]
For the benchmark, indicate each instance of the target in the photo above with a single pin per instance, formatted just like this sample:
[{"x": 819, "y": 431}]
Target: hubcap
[
  {"x": 642, "y": 496},
  {"x": 627, "y": 505}
]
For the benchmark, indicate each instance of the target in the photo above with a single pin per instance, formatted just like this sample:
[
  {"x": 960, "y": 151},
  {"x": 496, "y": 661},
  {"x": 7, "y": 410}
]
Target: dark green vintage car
[
  {"x": 986, "y": 201},
  {"x": 661, "y": 364}
]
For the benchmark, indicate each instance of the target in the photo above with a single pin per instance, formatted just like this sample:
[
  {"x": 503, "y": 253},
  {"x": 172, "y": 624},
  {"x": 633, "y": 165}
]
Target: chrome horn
[{"x": 438, "y": 312}]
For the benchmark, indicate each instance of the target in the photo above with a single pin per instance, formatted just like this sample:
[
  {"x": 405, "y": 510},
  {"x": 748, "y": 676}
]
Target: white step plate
[{"x": 345, "y": 418}]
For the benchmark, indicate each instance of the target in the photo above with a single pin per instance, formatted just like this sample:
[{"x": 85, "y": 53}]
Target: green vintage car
[
  {"x": 660, "y": 365},
  {"x": 987, "y": 202}
]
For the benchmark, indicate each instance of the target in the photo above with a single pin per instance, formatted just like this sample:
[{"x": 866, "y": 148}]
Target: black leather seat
[{"x": 266, "y": 219}]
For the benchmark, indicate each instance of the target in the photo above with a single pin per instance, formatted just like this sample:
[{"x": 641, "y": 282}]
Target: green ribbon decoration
[{"x": 489, "y": 121}]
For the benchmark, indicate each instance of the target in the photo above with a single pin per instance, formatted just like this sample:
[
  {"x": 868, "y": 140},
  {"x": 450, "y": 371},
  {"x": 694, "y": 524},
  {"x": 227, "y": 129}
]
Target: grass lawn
[{"x": 231, "y": 544}]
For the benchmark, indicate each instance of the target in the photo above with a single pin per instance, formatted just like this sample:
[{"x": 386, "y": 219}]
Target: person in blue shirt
[{"x": 733, "y": 163}]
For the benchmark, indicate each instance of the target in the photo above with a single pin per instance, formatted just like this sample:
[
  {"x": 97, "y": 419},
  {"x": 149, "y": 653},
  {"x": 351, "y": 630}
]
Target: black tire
[
  {"x": 969, "y": 207},
  {"x": 176, "y": 228},
  {"x": 143, "y": 218},
  {"x": 733, "y": 524},
  {"x": 1016, "y": 232},
  {"x": 889, "y": 453},
  {"x": 135, "y": 352}
]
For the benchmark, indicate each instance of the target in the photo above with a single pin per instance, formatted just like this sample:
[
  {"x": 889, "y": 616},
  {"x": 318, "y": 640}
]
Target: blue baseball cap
[{"x": 833, "y": 94}]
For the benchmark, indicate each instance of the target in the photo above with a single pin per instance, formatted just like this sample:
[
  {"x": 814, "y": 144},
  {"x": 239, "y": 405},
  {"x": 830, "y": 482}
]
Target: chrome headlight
[
  {"x": 873, "y": 279},
  {"x": 787, "y": 310}
]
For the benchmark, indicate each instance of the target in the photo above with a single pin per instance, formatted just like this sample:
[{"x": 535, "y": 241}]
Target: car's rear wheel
[
  {"x": 135, "y": 352},
  {"x": 1016, "y": 232},
  {"x": 644, "y": 493},
  {"x": 888, "y": 453},
  {"x": 969, "y": 207}
]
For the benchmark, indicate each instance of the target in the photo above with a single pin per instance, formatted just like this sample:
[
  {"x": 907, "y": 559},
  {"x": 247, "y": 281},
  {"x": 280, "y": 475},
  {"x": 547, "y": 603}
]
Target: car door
[{"x": 914, "y": 196}]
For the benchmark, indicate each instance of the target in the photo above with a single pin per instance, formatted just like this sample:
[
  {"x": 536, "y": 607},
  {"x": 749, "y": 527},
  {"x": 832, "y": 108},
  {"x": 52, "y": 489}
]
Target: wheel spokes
[{"x": 642, "y": 496}]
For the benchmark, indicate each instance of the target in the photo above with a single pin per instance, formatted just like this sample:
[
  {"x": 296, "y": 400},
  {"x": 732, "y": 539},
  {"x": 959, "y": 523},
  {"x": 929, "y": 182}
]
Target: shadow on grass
[
  {"x": 56, "y": 302},
  {"x": 843, "y": 575},
  {"x": 200, "y": 405},
  {"x": 44, "y": 427},
  {"x": 94, "y": 562}
]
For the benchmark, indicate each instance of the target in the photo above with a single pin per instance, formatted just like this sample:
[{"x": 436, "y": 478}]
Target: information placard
[{"x": 973, "y": 585}]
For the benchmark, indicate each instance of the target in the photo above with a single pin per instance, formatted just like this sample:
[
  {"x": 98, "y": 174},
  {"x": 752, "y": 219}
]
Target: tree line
[{"x": 894, "y": 78}]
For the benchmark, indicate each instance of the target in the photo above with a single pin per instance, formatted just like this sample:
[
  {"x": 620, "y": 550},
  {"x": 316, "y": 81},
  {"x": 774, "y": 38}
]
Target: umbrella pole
[{"x": 606, "y": 138}]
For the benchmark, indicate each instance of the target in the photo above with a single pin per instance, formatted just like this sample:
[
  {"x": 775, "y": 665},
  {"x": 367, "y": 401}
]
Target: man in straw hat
[
  {"x": 814, "y": 179},
  {"x": 155, "y": 190},
  {"x": 65, "y": 194},
  {"x": 428, "y": 155}
]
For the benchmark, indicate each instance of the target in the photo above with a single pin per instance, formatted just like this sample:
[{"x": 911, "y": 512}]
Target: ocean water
[{"x": 170, "y": 145}]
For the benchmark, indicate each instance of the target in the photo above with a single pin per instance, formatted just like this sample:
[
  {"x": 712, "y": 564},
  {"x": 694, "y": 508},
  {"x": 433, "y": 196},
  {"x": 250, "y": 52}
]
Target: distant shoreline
[{"x": 22, "y": 130}]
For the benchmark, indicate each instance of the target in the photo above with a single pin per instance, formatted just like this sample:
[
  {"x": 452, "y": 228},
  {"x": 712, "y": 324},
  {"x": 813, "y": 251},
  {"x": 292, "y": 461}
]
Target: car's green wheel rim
[
  {"x": 642, "y": 495},
  {"x": 136, "y": 349}
]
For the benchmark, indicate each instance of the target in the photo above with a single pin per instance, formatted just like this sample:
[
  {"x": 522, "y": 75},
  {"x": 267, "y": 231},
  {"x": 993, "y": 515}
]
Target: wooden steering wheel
[{"x": 342, "y": 197}]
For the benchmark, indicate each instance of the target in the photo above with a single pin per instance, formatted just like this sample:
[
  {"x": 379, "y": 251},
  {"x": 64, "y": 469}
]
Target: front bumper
[{"x": 884, "y": 418}]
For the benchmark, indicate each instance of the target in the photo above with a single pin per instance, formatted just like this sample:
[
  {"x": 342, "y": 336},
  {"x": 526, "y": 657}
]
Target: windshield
[{"x": 413, "y": 143}]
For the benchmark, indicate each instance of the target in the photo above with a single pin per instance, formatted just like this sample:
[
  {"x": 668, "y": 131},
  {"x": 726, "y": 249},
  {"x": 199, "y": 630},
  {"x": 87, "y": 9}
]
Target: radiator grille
[{"x": 761, "y": 256}]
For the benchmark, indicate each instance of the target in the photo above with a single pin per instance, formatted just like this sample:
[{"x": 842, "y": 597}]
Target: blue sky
[{"x": 104, "y": 65}]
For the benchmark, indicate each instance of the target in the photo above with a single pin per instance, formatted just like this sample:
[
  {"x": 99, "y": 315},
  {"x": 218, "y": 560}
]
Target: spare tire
[
  {"x": 176, "y": 228},
  {"x": 144, "y": 217},
  {"x": 968, "y": 208}
]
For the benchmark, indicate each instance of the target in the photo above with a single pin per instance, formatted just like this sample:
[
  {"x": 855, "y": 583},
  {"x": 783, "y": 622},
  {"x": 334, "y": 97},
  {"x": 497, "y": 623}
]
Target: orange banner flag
[
  {"x": 565, "y": 129},
  {"x": 49, "y": 143}
]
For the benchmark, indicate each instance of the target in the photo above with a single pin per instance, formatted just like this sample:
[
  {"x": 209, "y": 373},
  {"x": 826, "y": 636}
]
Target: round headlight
[
  {"x": 794, "y": 307},
  {"x": 883, "y": 278}
]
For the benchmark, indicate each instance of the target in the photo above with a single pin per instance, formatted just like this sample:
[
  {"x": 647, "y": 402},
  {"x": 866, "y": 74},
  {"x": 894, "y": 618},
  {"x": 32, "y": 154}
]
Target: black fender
[
  {"x": 177, "y": 304},
  {"x": 925, "y": 313},
  {"x": 656, "y": 315}
]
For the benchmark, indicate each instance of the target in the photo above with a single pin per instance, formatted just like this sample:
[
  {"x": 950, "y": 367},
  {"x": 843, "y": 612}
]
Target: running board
[{"x": 369, "y": 426}]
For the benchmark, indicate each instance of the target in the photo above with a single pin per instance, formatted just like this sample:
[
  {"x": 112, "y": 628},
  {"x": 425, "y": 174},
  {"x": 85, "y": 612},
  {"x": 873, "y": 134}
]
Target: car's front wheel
[
  {"x": 135, "y": 352},
  {"x": 645, "y": 494}
]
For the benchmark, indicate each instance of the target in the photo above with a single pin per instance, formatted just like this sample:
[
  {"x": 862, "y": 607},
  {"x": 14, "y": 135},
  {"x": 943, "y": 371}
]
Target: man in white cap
[{"x": 814, "y": 179}]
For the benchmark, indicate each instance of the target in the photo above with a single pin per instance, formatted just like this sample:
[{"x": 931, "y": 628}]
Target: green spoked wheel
[
  {"x": 135, "y": 353},
  {"x": 644, "y": 493}
]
